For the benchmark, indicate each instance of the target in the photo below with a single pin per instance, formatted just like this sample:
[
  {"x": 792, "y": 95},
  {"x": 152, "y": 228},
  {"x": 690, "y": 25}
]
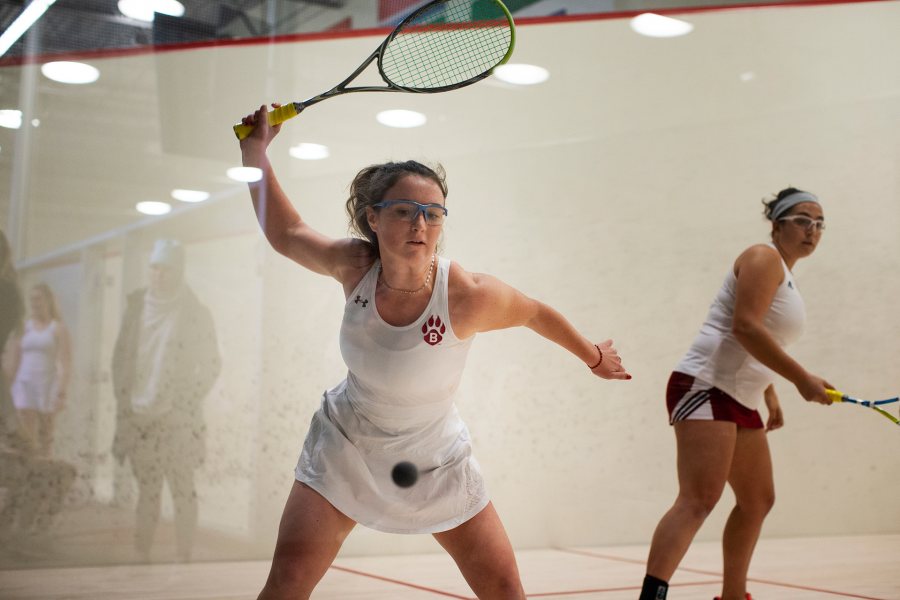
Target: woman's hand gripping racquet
[
  {"x": 442, "y": 46},
  {"x": 837, "y": 396}
]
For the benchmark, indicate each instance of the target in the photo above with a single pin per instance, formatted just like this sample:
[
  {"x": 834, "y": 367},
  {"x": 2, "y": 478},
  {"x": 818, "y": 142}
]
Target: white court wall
[{"x": 619, "y": 192}]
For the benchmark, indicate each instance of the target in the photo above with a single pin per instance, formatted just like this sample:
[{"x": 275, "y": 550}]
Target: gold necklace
[{"x": 424, "y": 285}]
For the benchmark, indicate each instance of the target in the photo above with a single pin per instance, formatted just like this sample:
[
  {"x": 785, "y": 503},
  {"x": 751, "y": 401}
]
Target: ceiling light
[
  {"x": 143, "y": 10},
  {"x": 245, "y": 174},
  {"x": 22, "y": 23},
  {"x": 747, "y": 76},
  {"x": 190, "y": 195},
  {"x": 152, "y": 207},
  {"x": 401, "y": 118},
  {"x": 521, "y": 74},
  {"x": 307, "y": 151},
  {"x": 65, "y": 71},
  {"x": 11, "y": 119},
  {"x": 654, "y": 25}
]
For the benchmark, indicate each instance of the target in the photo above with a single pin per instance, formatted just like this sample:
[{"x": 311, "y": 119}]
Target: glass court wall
[{"x": 619, "y": 191}]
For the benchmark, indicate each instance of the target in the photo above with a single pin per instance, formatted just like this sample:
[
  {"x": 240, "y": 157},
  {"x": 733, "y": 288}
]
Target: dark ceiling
[
  {"x": 72, "y": 26},
  {"x": 83, "y": 26}
]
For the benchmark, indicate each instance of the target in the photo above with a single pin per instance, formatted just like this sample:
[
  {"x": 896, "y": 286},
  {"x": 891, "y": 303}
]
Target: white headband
[{"x": 790, "y": 201}]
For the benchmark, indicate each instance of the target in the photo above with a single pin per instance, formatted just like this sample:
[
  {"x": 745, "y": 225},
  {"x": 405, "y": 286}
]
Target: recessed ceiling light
[
  {"x": 401, "y": 118},
  {"x": 143, "y": 10},
  {"x": 654, "y": 25},
  {"x": 521, "y": 74},
  {"x": 65, "y": 71},
  {"x": 245, "y": 174},
  {"x": 11, "y": 119},
  {"x": 747, "y": 76},
  {"x": 308, "y": 151},
  {"x": 152, "y": 207},
  {"x": 190, "y": 195}
]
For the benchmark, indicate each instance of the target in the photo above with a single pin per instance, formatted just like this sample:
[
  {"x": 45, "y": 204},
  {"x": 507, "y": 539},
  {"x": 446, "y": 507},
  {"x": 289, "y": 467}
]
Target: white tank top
[
  {"x": 401, "y": 377},
  {"x": 396, "y": 404},
  {"x": 718, "y": 358}
]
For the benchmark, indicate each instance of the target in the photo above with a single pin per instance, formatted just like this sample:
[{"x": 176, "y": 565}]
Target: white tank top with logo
[
  {"x": 718, "y": 358},
  {"x": 396, "y": 404}
]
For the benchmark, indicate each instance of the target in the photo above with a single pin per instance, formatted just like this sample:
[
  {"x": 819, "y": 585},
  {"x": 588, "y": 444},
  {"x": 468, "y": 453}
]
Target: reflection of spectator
[
  {"x": 43, "y": 363},
  {"x": 35, "y": 486},
  {"x": 165, "y": 362},
  {"x": 11, "y": 311}
]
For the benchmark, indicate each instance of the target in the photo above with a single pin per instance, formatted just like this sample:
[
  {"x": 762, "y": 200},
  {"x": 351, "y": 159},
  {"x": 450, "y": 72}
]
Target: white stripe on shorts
[{"x": 694, "y": 405}]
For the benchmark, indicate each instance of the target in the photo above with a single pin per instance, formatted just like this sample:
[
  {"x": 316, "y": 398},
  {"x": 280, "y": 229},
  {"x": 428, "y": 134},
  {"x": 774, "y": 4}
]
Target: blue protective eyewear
[{"x": 409, "y": 210}]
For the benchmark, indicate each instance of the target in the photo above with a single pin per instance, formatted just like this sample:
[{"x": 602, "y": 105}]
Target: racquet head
[
  {"x": 444, "y": 45},
  {"x": 447, "y": 44}
]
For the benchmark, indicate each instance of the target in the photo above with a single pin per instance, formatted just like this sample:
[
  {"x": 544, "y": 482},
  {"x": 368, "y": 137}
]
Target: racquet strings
[{"x": 447, "y": 45}]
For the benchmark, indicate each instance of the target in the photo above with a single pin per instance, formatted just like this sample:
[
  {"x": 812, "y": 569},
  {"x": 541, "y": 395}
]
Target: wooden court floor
[{"x": 784, "y": 569}]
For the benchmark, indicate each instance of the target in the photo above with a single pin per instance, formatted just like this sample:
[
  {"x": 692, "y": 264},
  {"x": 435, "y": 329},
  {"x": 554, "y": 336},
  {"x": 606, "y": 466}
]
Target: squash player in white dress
[
  {"x": 42, "y": 360},
  {"x": 409, "y": 320},
  {"x": 715, "y": 391}
]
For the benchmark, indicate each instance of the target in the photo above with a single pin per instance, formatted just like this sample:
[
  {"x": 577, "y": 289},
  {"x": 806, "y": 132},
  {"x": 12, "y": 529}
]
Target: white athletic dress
[
  {"x": 716, "y": 357},
  {"x": 35, "y": 386},
  {"x": 396, "y": 404}
]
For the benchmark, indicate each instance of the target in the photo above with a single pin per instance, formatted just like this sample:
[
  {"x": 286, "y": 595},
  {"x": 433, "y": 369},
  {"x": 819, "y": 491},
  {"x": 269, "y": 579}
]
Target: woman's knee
[
  {"x": 289, "y": 579},
  {"x": 502, "y": 586},
  {"x": 511, "y": 590},
  {"x": 759, "y": 503},
  {"x": 698, "y": 505}
]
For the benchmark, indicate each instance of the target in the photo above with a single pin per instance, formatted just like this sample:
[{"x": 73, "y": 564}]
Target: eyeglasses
[
  {"x": 408, "y": 210},
  {"x": 806, "y": 223}
]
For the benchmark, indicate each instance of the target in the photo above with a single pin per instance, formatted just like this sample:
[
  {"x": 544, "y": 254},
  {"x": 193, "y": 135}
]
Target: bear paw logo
[{"x": 433, "y": 329}]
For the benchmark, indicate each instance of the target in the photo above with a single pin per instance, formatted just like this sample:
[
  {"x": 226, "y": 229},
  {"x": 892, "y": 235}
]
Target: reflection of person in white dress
[
  {"x": 43, "y": 361},
  {"x": 409, "y": 319},
  {"x": 33, "y": 486}
]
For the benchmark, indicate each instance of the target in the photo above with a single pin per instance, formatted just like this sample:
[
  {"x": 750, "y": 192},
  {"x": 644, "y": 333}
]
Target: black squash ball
[{"x": 405, "y": 474}]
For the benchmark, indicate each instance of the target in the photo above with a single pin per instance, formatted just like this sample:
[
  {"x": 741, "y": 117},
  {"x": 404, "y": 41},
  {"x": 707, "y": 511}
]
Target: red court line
[
  {"x": 627, "y": 588},
  {"x": 702, "y": 572},
  {"x": 403, "y": 583},
  {"x": 634, "y": 561},
  {"x": 538, "y": 595}
]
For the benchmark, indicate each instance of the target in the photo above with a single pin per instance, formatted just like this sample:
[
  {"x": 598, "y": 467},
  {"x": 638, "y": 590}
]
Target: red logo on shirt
[{"x": 433, "y": 329}]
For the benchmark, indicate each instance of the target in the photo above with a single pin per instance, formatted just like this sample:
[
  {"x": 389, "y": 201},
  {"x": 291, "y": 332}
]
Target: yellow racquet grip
[
  {"x": 276, "y": 116},
  {"x": 835, "y": 395}
]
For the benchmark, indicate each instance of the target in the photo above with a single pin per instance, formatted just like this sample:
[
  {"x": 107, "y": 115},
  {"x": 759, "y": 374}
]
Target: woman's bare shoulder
[{"x": 759, "y": 259}]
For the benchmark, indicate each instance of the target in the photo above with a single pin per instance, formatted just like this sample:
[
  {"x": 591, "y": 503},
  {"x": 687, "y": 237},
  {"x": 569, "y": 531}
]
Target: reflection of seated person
[
  {"x": 33, "y": 486},
  {"x": 165, "y": 362}
]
